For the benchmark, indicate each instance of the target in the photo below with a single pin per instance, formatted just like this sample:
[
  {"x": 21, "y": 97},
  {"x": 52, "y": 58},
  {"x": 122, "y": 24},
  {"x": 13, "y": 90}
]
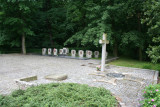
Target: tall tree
[
  {"x": 88, "y": 20},
  {"x": 152, "y": 19},
  {"x": 17, "y": 20},
  {"x": 51, "y": 23}
]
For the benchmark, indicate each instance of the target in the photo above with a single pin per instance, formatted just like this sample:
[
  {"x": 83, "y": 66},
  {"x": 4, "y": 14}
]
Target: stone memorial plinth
[
  {"x": 96, "y": 54},
  {"x": 55, "y": 51},
  {"x": 60, "y": 51},
  {"x": 89, "y": 54},
  {"x": 49, "y": 51},
  {"x": 81, "y": 53},
  {"x": 73, "y": 53},
  {"x": 44, "y": 50},
  {"x": 24, "y": 83},
  {"x": 65, "y": 51},
  {"x": 56, "y": 77}
]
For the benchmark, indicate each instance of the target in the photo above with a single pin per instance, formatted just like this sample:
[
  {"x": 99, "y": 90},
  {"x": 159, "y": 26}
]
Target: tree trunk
[
  {"x": 23, "y": 44},
  {"x": 115, "y": 49},
  {"x": 51, "y": 41},
  {"x": 140, "y": 53},
  {"x": 139, "y": 29}
]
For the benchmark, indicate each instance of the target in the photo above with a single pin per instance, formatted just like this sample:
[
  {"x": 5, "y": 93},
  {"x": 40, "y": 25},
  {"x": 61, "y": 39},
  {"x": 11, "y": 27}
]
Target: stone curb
[
  {"x": 111, "y": 59},
  {"x": 155, "y": 78},
  {"x": 120, "y": 103}
]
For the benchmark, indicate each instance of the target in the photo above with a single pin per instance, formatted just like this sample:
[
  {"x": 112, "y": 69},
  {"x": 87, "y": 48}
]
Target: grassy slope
[{"x": 135, "y": 63}]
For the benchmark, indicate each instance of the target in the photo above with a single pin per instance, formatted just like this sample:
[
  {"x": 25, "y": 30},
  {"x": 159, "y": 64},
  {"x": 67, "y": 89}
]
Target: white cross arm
[{"x": 103, "y": 41}]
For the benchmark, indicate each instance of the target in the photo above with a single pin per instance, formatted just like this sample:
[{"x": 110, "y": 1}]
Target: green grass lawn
[{"x": 135, "y": 63}]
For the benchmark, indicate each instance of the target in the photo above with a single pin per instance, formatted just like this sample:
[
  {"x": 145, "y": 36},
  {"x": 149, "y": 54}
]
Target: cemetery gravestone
[
  {"x": 73, "y": 53},
  {"x": 44, "y": 50},
  {"x": 61, "y": 51},
  {"x": 64, "y": 51},
  {"x": 55, "y": 52},
  {"x": 89, "y": 54},
  {"x": 67, "y": 50},
  {"x": 96, "y": 54},
  {"x": 49, "y": 51},
  {"x": 81, "y": 53}
]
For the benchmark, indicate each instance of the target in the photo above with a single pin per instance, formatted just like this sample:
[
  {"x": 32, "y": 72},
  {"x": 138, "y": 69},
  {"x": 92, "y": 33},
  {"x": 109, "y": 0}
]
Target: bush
[
  {"x": 59, "y": 95},
  {"x": 147, "y": 66},
  {"x": 151, "y": 96}
]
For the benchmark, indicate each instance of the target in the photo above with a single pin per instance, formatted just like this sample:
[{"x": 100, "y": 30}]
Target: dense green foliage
[
  {"x": 151, "y": 96},
  {"x": 132, "y": 26},
  {"x": 59, "y": 95},
  {"x": 17, "y": 21},
  {"x": 152, "y": 19}
]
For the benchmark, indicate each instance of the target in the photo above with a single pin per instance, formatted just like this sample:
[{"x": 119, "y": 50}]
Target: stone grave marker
[
  {"x": 44, "y": 50},
  {"x": 65, "y": 51},
  {"x": 60, "y": 51},
  {"x": 89, "y": 54},
  {"x": 49, "y": 51},
  {"x": 56, "y": 77},
  {"x": 96, "y": 54},
  {"x": 81, "y": 53},
  {"x": 55, "y": 51},
  {"x": 73, "y": 53}
]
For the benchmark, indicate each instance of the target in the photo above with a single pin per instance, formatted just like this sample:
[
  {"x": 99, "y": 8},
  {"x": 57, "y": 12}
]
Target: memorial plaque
[
  {"x": 44, "y": 50},
  {"x": 60, "y": 51},
  {"x": 65, "y": 51},
  {"x": 55, "y": 51},
  {"x": 89, "y": 54},
  {"x": 81, "y": 53},
  {"x": 49, "y": 51},
  {"x": 73, "y": 53},
  {"x": 96, "y": 54}
]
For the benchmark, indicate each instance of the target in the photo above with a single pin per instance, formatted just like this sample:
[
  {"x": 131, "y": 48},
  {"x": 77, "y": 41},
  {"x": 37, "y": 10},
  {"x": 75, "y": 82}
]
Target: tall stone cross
[{"x": 104, "y": 41}]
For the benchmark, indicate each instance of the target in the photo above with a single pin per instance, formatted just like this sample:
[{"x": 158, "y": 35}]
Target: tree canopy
[{"x": 132, "y": 26}]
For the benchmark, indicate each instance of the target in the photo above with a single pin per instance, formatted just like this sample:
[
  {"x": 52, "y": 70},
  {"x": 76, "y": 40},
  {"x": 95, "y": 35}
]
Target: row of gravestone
[{"x": 65, "y": 51}]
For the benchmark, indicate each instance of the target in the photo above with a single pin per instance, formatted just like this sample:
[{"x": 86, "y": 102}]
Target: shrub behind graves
[{"x": 59, "y": 95}]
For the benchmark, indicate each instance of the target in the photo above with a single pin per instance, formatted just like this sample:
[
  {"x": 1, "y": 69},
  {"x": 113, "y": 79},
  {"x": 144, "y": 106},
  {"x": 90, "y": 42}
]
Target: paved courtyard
[{"x": 127, "y": 88}]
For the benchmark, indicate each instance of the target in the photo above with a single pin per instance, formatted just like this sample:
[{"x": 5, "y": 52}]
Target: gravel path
[{"x": 16, "y": 66}]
